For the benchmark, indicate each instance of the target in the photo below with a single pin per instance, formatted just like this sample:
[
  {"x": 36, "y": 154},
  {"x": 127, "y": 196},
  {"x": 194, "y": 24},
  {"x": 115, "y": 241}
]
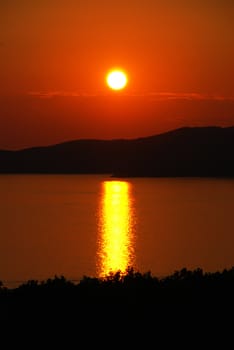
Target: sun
[{"x": 117, "y": 79}]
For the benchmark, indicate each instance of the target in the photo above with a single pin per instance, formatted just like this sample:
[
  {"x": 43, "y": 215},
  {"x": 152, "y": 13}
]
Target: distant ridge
[{"x": 184, "y": 152}]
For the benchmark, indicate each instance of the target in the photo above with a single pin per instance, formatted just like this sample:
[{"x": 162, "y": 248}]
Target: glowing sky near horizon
[{"x": 54, "y": 57}]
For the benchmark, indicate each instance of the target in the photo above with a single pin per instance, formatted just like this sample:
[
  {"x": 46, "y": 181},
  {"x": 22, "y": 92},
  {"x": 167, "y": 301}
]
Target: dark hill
[{"x": 195, "y": 151}]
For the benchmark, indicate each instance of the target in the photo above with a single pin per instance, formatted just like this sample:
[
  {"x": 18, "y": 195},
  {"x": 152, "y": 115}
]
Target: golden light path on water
[{"x": 116, "y": 228}]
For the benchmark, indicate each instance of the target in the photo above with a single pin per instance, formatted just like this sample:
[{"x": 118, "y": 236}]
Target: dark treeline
[
  {"x": 139, "y": 305},
  {"x": 131, "y": 293}
]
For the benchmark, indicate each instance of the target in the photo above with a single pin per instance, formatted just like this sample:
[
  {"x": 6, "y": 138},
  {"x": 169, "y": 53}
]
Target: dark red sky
[{"x": 54, "y": 56}]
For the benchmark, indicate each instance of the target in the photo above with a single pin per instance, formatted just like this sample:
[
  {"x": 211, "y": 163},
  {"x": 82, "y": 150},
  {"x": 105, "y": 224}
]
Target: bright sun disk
[{"x": 116, "y": 79}]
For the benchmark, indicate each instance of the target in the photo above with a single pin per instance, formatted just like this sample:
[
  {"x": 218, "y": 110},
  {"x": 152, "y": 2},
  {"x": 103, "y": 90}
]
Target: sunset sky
[{"x": 54, "y": 56}]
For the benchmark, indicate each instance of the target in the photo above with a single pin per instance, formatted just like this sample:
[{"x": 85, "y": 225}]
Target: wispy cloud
[
  {"x": 51, "y": 94},
  {"x": 153, "y": 96},
  {"x": 189, "y": 96}
]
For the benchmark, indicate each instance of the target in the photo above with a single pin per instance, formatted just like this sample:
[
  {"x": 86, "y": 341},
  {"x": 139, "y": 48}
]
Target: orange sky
[{"x": 54, "y": 56}]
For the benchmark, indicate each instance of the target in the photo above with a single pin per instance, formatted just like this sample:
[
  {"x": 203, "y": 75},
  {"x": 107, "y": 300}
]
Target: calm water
[{"x": 78, "y": 225}]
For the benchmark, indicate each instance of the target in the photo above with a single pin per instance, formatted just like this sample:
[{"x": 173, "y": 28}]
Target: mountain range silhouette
[{"x": 183, "y": 152}]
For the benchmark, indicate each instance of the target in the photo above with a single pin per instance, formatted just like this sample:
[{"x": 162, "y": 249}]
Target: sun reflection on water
[{"x": 116, "y": 228}]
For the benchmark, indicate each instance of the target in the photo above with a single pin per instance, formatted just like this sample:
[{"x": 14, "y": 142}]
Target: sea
[{"x": 92, "y": 225}]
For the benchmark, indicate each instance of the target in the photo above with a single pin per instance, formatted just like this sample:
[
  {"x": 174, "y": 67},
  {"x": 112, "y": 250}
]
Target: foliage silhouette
[{"x": 185, "y": 300}]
